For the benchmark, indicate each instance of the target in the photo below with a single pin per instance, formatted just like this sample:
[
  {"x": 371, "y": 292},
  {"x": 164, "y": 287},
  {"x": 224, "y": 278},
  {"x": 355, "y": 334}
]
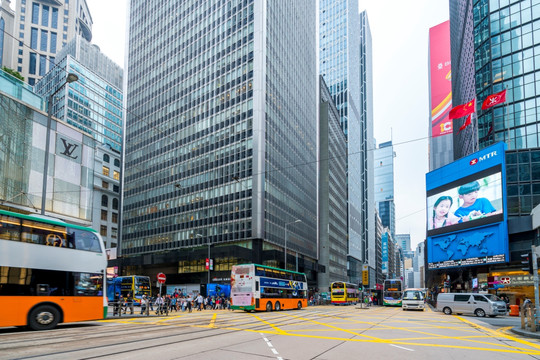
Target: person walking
[
  {"x": 129, "y": 303},
  {"x": 117, "y": 301},
  {"x": 199, "y": 300},
  {"x": 144, "y": 305},
  {"x": 159, "y": 304}
]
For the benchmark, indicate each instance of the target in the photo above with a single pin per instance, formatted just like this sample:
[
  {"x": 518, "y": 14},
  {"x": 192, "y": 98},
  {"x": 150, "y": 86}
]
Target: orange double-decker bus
[
  {"x": 50, "y": 272},
  {"x": 264, "y": 288}
]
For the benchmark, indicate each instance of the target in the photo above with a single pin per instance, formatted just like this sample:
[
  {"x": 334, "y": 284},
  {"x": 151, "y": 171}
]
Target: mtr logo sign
[{"x": 482, "y": 158}]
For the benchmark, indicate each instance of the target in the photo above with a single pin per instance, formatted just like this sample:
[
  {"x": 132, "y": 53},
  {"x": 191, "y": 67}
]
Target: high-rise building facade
[
  {"x": 345, "y": 64},
  {"x": 42, "y": 28},
  {"x": 384, "y": 185},
  {"x": 94, "y": 105},
  {"x": 332, "y": 194},
  {"x": 502, "y": 36},
  {"x": 7, "y": 28},
  {"x": 463, "y": 77},
  {"x": 221, "y": 133}
]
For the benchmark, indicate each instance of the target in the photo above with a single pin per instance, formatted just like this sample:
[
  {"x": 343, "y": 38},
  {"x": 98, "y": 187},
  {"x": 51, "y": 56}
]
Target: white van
[
  {"x": 412, "y": 299},
  {"x": 469, "y": 303}
]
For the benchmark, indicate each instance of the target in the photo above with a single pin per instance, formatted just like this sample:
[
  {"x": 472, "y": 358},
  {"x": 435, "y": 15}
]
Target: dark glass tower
[{"x": 220, "y": 137}]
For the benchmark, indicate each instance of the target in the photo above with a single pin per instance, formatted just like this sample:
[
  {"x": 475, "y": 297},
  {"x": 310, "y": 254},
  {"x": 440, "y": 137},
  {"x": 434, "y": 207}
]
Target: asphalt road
[{"x": 320, "y": 332}]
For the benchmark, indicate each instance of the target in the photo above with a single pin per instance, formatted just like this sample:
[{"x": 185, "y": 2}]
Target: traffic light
[{"x": 527, "y": 262}]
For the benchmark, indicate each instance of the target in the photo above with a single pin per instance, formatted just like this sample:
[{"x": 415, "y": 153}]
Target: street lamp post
[
  {"x": 70, "y": 78},
  {"x": 285, "y": 247}
]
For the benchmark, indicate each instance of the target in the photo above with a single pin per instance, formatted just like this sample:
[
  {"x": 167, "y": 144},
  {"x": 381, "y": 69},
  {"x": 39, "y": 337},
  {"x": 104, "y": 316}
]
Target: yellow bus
[
  {"x": 344, "y": 293},
  {"x": 50, "y": 272},
  {"x": 264, "y": 288}
]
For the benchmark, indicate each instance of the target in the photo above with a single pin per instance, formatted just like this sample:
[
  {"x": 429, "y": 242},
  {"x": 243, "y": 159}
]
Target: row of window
[
  {"x": 16, "y": 229},
  {"x": 37, "y": 282}
]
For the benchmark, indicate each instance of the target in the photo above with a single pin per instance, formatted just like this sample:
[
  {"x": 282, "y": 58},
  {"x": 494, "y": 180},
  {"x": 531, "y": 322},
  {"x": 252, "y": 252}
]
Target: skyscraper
[
  {"x": 345, "y": 64},
  {"x": 7, "y": 28},
  {"x": 501, "y": 36},
  {"x": 384, "y": 185},
  {"x": 221, "y": 133},
  {"x": 93, "y": 104},
  {"x": 42, "y": 28},
  {"x": 332, "y": 194}
]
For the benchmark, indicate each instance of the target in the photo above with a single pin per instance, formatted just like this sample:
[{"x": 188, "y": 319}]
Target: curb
[{"x": 529, "y": 334}]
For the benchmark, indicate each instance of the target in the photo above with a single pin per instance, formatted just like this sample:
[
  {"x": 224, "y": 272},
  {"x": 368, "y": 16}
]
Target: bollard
[{"x": 514, "y": 310}]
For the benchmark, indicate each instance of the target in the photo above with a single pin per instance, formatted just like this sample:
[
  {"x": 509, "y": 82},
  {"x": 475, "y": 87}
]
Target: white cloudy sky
[{"x": 400, "y": 80}]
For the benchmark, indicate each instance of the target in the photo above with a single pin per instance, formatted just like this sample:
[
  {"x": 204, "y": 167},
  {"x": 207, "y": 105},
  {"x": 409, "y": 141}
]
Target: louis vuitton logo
[{"x": 69, "y": 149}]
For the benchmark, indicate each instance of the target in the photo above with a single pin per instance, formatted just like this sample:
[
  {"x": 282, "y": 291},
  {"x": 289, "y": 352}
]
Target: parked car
[{"x": 469, "y": 303}]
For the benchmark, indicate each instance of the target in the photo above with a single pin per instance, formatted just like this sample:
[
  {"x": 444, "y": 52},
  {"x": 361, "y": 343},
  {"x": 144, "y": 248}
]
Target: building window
[
  {"x": 54, "y": 20},
  {"x": 106, "y": 158},
  {"x": 116, "y": 188},
  {"x": 105, "y": 171},
  {"x": 32, "y": 65},
  {"x": 45, "y": 16},
  {"x": 35, "y": 13},
  {"x": 42, "y": 65},
  {"x": 44, "y": 40},
  {"x": 104, "y": 215},
  {"x": 114, "y": 233},
  {"x": 117, "y": 162},
  {"x": 114, "y": 218},
  {"x": 116, "y": 175},
  {"x": 104, "y": 184},
  {"x": 115, "y": 204},
  {"x": 53, "y": 43},
  {"x": 103, "y": 230},
  {"x": 33, "y": 38},
  {"x": 104, "y": 200}
]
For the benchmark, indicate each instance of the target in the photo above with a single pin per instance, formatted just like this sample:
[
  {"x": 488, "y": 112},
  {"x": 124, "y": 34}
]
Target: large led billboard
[
  {"x": 466, "y": 219},
  {"x": 440, "y": 79}
]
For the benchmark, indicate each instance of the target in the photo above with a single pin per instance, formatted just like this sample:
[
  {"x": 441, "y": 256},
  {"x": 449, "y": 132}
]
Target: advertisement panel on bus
[{"x": 466, "y": 218}]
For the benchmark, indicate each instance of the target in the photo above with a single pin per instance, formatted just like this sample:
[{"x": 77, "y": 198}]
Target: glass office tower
[
  {"x": 345, "y": 64},
  {"x": 221, "y": 131}
]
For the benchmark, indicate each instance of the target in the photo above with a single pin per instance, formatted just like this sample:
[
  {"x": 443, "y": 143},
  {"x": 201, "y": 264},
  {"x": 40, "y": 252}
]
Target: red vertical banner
[{"x": 440, "y": 80}]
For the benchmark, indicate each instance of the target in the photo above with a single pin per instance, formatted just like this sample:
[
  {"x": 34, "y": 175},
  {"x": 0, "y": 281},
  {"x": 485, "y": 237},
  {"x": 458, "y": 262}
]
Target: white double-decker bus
[{"x": 50, "y": 272}]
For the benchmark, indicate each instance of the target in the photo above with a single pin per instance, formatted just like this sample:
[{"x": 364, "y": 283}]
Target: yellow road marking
[
  {"x": 213, "y": 321},
  {"x": 269, "y": 324},
  {"x": 509, "y": 337}
]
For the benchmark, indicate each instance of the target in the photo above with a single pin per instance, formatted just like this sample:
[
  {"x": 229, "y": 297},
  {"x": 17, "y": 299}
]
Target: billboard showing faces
[
  {"x": 469, "y": 204},
  {"x": 466, "y": 219}
]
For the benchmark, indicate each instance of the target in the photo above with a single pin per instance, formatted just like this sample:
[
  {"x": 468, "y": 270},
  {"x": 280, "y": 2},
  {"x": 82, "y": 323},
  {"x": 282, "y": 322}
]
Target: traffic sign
[{"x": 161, "y": 278}]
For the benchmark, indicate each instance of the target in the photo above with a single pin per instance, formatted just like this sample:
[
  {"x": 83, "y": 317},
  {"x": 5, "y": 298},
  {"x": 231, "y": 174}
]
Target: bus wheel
[
  {"x": 299, "y": 306},
  {"x": 44, "y": 317},
  {"x": 278, "y": 306},
  {"x": 269, "y": 306}
]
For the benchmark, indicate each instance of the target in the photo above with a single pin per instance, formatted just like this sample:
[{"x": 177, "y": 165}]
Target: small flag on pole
[
  {"x": 462, "y": 110},
  {"x": 467, "y": 123},
  {"x": 494, "y": 99}
]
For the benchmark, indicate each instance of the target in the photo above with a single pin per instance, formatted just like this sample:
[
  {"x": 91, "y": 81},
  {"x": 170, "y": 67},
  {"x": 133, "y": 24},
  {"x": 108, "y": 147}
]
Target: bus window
[
  {"x": 43, "y": 234},
  {"x": 83, "y": 240},
  {"x": 10, "y": 228}
]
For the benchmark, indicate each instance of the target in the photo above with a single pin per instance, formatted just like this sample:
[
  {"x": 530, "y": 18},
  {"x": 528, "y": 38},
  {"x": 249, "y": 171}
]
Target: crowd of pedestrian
[{"x": 176, "y": 302}]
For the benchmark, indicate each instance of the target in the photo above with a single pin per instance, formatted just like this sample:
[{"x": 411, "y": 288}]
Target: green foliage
[{"x": 13, "y": 73}]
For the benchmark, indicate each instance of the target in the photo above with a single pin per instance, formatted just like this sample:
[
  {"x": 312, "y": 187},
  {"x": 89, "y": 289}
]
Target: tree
[{"x": 13, "y": 73}]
